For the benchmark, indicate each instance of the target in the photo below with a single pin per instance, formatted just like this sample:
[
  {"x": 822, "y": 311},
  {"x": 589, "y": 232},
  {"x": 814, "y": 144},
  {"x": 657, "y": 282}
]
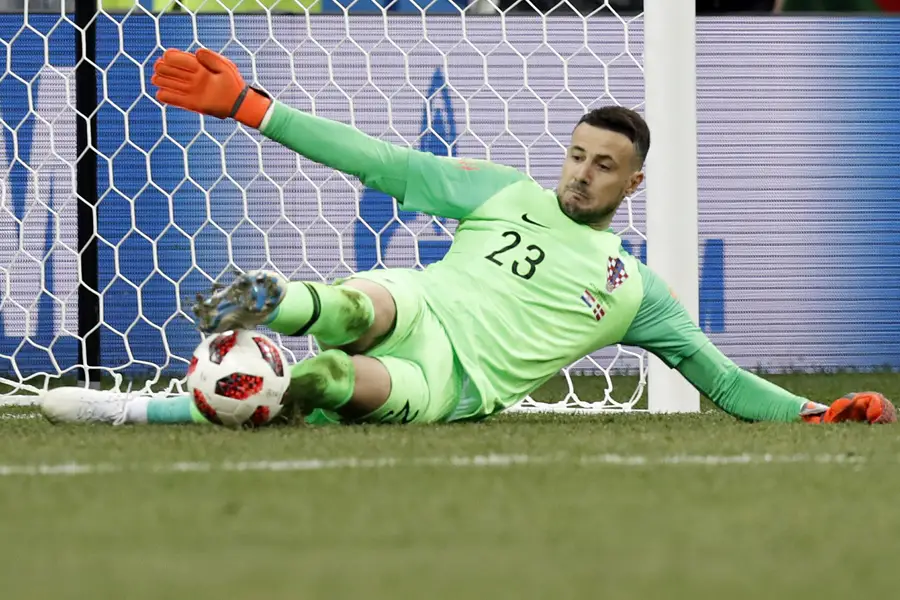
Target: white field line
[
  {"x": 476, "y": 461},
  {"x": 19, "y": 416}
]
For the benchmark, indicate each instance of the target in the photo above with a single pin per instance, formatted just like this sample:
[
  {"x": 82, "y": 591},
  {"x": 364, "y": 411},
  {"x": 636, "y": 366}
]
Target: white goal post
[
  {"x": 671, "y": 111},
  {"x": 116, "y": 211}
]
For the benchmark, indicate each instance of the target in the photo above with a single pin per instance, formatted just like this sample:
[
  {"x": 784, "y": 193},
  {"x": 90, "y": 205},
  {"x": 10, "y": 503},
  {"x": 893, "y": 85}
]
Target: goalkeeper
[{"x": 533, "y": 281}]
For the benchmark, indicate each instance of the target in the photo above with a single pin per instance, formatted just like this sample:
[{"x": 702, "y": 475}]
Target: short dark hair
[{"x": 625, "y": 121}]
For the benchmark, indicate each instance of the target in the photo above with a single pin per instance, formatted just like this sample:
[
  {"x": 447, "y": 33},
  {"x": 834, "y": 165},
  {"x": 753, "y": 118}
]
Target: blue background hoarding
[{"x": 798, "y": 155}]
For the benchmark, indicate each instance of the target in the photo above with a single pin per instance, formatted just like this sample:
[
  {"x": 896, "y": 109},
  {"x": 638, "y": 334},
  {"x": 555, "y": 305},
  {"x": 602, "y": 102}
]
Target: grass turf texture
[{"x": 568, "y": 522}]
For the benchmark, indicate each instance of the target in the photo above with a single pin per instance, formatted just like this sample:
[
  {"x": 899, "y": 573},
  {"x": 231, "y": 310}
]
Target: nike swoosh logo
[{"x": 527, "y": 220}]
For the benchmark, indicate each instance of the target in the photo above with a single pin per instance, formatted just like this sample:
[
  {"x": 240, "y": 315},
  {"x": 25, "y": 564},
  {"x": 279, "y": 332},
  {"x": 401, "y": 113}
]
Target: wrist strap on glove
[{"x": 251, "y": 106}]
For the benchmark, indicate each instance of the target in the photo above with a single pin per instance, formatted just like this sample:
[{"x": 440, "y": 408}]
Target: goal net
[{"x": 106, "y": 280}]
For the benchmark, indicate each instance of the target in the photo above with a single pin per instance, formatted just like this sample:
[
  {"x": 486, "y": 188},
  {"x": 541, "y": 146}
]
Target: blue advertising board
[{"x": 798, "y": 182}]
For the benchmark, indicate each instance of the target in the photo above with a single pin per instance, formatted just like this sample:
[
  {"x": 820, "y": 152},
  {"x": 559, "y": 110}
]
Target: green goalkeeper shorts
[{"x": 426, "y": 377}]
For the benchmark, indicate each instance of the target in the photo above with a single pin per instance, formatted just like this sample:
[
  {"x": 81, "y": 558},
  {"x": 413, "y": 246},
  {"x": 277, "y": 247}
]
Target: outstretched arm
[
  {"x": 664, "y": 327},
  {"x": 208, "y": 83},
  {"x": 420, "y": 181}
]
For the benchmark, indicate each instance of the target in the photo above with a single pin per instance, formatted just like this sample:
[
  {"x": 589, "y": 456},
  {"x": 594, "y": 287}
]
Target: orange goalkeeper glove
[
  {"x": 865, "y": 407},
  {"x": 208, "y": 83}
]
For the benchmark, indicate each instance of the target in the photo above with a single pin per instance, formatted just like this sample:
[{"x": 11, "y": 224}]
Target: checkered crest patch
[{"x": 615, "y": 273}]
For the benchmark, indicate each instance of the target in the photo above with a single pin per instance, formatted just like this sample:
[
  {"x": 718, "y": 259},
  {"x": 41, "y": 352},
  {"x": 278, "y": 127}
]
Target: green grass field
[{"x": 613, "y": 506}]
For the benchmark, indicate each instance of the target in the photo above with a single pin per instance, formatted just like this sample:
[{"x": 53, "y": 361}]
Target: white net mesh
[{"x": 182, "y": 200}]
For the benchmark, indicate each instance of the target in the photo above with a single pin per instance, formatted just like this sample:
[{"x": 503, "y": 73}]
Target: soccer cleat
[
  {"x": 84, "y": 405},
  {"x": 247, "y": 302},
  {"x": 863, "y": 407}
]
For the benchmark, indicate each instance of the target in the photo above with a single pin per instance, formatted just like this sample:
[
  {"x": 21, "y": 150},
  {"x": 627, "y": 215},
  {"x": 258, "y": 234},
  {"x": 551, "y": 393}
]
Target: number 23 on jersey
[{"x": 522, "y": 262}]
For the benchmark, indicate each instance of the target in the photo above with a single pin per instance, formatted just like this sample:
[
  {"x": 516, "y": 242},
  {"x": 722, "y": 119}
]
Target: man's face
[{"x": 600, "y": 170}]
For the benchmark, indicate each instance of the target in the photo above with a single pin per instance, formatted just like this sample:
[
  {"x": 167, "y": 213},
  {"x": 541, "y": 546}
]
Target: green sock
[
  {"x": 334, "y": 314},
  {"x": 324, "y": 381}
]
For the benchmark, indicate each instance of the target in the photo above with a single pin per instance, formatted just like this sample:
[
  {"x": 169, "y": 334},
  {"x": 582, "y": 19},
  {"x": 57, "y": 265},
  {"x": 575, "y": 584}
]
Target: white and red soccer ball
[{"x": 238, "y": 379}]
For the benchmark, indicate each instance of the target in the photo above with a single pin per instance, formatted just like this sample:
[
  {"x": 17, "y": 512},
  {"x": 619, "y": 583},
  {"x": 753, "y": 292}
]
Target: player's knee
[
  {"x": 358, "y": 312},
  {"x": 371, "y": 313},
  {"x": 323, "y": 381}
]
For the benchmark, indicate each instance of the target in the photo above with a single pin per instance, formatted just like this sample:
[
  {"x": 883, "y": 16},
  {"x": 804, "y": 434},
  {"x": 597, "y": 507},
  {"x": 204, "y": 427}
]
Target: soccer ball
[{"x": 238, "y": 379}]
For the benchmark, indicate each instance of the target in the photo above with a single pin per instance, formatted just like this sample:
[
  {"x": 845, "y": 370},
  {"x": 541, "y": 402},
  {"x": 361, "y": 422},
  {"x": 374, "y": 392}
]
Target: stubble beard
[{"x": 589, "y": 217}]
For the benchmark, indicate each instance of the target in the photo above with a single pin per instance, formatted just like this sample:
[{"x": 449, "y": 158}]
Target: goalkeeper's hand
[
  {"x": 865, "y": 407},
  {"x": 208, "y": 83}
]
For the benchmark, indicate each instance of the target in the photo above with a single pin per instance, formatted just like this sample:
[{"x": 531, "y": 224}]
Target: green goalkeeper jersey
[{"x": 523, "y": 290}]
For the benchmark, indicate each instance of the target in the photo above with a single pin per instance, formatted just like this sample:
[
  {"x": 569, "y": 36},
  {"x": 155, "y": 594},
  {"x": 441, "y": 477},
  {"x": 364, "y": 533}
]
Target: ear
[{"x": 636, "y": 178}]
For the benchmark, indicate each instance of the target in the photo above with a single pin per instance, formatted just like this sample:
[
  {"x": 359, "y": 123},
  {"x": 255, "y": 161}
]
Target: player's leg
[
  {"x": 381, "y": 310},
  {"x": 75, "y": 404},
  {"x": 359, "y": 388},
  {"x": 353, "y": 314},
  {"x": 347, "y": 319},
  {"x": 349, "y": 387},
  {"x": 408, "y": 373},
  {"x": 414, "y": 377}
]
